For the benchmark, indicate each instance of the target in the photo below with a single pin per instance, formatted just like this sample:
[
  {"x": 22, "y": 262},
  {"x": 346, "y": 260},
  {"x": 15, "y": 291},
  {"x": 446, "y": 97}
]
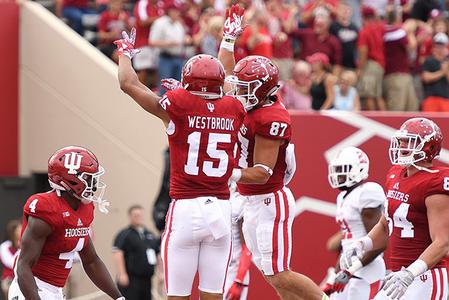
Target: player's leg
[
  {"x": 179, "y": 251},
  {"x": 359, "y": 289},
  {"x": 214, "y": 258},
  {"x": 274, "y": 237}
]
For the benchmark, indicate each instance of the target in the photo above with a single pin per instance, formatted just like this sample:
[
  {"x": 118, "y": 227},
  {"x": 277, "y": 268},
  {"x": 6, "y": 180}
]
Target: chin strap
[{"x": 425, "y": 169}]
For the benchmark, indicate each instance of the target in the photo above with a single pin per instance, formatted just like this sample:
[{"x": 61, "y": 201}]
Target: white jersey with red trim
[{"x": 350, "y": 205}]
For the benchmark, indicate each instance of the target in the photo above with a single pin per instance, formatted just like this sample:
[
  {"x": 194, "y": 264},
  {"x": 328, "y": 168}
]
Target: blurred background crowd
[{"x": 332, "y": 54}]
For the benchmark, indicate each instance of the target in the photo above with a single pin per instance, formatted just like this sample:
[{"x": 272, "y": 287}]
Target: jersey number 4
[
  {"x": 400, "y": 221},
  {"x": 194, "y": 139}
]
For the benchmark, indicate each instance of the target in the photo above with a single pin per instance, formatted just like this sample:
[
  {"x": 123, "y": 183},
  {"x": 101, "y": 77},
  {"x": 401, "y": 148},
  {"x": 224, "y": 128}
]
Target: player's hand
[
  {"x": 353, "y": 251},
  {"x": 396, "y": 283},
  {"x": 123, "y": 280},
  {"x": 235, "y": 291},
  {"x": 233, "y": 24},
  {"x": 328, "y": 289},
  {"x": 170, "y": 84},
  {"x": 125, "y": 46},
  {"x": 341, "y": 280}
]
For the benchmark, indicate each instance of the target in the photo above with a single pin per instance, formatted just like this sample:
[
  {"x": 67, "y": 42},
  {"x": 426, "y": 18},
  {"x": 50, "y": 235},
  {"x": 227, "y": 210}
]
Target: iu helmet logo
[{"x": 72, "y": 162}]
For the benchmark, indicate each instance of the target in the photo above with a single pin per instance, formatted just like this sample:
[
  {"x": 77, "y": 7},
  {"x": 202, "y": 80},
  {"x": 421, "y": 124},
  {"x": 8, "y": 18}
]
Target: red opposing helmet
[
  {"x": 418, "y": 139},
  {"x": 203, "y": 75},
  {"x": 255, "y": 79},
  {"x": 76, "y": 170}
]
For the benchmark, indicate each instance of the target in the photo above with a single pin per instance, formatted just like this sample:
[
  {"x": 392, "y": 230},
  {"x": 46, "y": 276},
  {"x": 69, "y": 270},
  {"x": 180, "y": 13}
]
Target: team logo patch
[
  {"x": 396, "y": 186},
  {"x": 208, "y": 201},
  {"x": 267, "y": 201},
  {"x": 66, "y": 214},
  {"x": 72, "y": 162},
  {"x": 423, "y": 277},
  {"x": 79, "y": 223},
  {"x": 210, "y": 107}
]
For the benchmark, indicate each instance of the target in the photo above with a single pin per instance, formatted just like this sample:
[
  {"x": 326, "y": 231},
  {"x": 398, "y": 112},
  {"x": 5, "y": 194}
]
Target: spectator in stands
[
  {"x": 371, "y": 60},
  {"x": 135, "y": 253},
  {"x": 8, "y": 252},
  {"x": 209, "y": 35},
  {"x": 346, "y": 97},
  {"x": 169, "y": 35},
  {"x": 439, "y": 24},
  {"x": 279, "y": 16},
  {"x": 421, "y": 9},
  {"x": 146, "y": 12},
  {"x": 296, "y": 91},
  {"x": 322, "y": 89},
  {"x": 435, "y": 76},
  {"x": 110, "y": 26},
  {"x": 347, "y": 34},
  {"x": 314, "y": 7},
  {"x": 319, "y": 40},
  {"x": 398, "y": 82},
  {"x": 256, "y": 38},
  {"x": 73, "y": 11}
]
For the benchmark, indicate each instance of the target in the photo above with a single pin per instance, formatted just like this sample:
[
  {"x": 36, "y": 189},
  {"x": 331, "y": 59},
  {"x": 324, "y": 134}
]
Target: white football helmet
[{"x": 349, "y": 167}]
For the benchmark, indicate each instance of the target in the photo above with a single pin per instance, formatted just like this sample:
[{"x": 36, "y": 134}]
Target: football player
[
  {"x": 202, "y": 126},
  {"x": 359, "y": 207},
  {"x": 266, "y": 164},
  {"x": 56, "y": 227},
  {"x": 418, "y": 216}
]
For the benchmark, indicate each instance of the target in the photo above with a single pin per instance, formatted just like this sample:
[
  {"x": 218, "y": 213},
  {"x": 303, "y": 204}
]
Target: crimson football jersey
[
  {"x": 202, "y": 135},
  {"x": 407, "y": 212},
  {"x": 270, "y": 121},
  {"x": 70, "y": 233}
]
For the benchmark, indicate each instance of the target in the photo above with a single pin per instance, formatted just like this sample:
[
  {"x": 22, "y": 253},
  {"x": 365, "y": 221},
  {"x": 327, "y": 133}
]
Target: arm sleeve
[
  {"x": 39, "y": 207},
  {"x": 372, "y": 196}
]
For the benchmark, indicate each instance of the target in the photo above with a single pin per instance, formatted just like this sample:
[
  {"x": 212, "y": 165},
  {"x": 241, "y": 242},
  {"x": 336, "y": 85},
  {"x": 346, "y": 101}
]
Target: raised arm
[
  {"x": 33, "y": 241},
  {"x": 129, "y": 82}
]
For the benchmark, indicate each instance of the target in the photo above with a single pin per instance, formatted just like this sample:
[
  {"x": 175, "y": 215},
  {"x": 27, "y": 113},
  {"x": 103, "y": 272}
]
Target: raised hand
[
  {"x": 125, "y": 46},
  {"x": 233, "y": 24},
  {"x": 170, "y": 84}
]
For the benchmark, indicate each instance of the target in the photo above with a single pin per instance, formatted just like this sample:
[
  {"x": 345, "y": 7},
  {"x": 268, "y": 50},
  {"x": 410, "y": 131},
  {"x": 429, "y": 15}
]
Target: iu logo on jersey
[
  {"x": 210, "y": 107},
  {"x": 423, "y": 277},
  {"x": 267, "y": 201},
  {"x": 72, "y": 162}
]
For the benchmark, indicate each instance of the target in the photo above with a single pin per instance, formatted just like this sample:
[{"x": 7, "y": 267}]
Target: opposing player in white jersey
[
  {"x": 417, "y": 225},
  {"x": 237, "y": 279},
  {"x": 359, "y": 207}
]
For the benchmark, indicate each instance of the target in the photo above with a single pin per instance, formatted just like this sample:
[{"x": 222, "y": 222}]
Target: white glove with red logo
[
  {"x": 232, "y": 27},
  {"x": 170, "y": 84},
  {"x": 103, "y": 206},
  {"x": 125, "y": 46}
]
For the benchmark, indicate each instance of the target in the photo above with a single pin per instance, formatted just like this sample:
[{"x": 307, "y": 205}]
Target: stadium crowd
[{"x": 332, "y": 54}]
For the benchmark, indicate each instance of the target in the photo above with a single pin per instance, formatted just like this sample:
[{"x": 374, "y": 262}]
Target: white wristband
[
  {"x": 367, "y": 243},
  {"x": 236, "y": 175},
  {"x": 227, "y": 44},
  {"x": 356, "y": 265},
  {"x": 268, "y": 169},
  {"x": 121, "y": 298},
  {"x": 418, "y": 267}
]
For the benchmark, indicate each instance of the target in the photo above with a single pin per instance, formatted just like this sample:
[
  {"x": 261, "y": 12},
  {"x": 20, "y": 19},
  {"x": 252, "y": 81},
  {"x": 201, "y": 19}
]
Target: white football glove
[
  {"x": 351, "y": 253},
  {"x": 396, "y": 283},
  {"x": 232, "y": 27},
  {"x": 125, "y": 46}
]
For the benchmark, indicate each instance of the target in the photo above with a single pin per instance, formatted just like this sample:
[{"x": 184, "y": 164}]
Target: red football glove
[
  {"x": 170, "y": 84},
  {"x": 341, "y": 280},
  {"x": 235, "y": 291},
  {"x": 328, "y": 289},
  {"x": 125, "y": 46}
]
